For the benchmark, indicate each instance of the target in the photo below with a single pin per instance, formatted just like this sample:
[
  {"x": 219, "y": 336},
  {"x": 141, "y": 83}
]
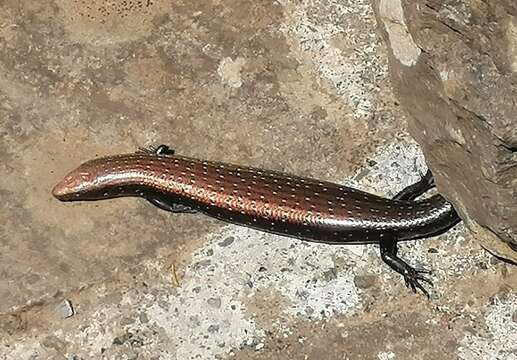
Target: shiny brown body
[{"x": 270, "y": 201}]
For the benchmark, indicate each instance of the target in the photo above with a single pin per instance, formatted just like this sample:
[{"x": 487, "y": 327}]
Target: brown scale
[{"x": 266, "y": 200}]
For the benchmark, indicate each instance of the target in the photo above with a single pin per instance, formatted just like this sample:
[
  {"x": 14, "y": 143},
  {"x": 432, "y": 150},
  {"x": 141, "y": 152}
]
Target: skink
[{"x": 270, "y": 201}]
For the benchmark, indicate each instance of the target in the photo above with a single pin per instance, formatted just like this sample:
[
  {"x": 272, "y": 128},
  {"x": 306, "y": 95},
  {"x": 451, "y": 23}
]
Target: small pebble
[
  {"x": 64, "y": 309},
  {"x": 201, "y": 264},
  {"x": 143, "y": 318},
  {"x": 214, "y": 302},
  {"x": 213, "y": 328},
  {"x": 126, "y": 321},
  {"x": 364, "y": 281},
  {"x": 194, "y": 320},
  {"x": 227, "y": 241}
]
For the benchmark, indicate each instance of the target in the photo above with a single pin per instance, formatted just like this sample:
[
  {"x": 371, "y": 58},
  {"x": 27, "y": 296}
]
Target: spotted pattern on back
[{"x": 267, "y": 200}]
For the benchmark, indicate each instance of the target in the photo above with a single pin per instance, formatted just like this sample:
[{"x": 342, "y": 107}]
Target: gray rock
[
  {"x": 65, "y": 309},
  {"x": 453, "y": 65},
  {"x": 228, "y": 241},
  {"x": 214, "y": 302},
  {"x": 364, "y": 281}
]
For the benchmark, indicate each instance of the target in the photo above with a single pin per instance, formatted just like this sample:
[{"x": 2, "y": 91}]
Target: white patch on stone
[
  {"x": 207, "y": 315},
  {"x": 355, "y": 72},
  {"x": 386, "y": 355},
  {"x": 457, "y": 12},
  {"x": 456, "y": 134},
  {"x": 402, "y": 44},
  {"x": 97, "y": 334},
  {"x": 501, "y": 340},
  {"x": 511, "y": 34},
  {"x": 395, "y": 166},
  {"x": 23, "y": 349},
  {"x": 230, "y": 71}
]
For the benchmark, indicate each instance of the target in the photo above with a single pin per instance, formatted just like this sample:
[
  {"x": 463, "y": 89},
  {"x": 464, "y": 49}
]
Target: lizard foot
[{"x": 415, "y": 277}]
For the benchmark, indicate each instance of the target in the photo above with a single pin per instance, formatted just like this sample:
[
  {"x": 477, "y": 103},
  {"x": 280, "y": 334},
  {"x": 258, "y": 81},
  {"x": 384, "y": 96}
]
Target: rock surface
[
  {"x": 299, "y": 86},
  {"x": 454, "y": 67}
]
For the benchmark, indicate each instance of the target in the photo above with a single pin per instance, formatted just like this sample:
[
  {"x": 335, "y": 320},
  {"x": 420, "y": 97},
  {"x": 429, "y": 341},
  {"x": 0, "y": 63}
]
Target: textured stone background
[{"x": 294, "y": 86}]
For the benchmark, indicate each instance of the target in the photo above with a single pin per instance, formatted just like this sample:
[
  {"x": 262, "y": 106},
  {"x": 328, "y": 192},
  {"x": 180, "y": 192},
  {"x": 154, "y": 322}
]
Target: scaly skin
[{"x": 271, "y": 201}]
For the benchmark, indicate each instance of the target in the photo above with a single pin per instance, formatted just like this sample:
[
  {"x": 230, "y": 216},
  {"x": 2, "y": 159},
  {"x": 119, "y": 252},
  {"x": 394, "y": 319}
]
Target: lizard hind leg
[
  {"x": 412, "y": 276},
  {"x": 415, "y": 190}
]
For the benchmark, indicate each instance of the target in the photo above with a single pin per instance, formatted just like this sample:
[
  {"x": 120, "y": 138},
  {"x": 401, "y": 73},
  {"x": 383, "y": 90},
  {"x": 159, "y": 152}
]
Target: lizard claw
[{"x": 414, "y": 277}]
